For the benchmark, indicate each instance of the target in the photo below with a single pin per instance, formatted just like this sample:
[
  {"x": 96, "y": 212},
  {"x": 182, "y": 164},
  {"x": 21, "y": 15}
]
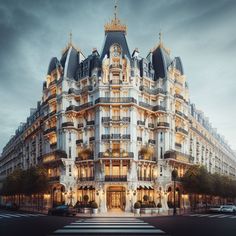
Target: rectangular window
[
  {"x": 69, "y": 152},
  {"x": 106, "y": 130},
  {"x": 116, "y": 170},
  {"x": 107, "y": 170},
  {"x": 107, "y": 94},
  {"x": 69, "y": 170},
  {"x": 161, "y": 136}
]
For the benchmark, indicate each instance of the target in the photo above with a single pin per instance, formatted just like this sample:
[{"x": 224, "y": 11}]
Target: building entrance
[{"x": 116, "y": 197}]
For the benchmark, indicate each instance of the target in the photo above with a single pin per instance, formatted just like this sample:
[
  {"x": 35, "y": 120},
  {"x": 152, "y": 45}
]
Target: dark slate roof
[
  {"x": 179, "y": 65},
  {"x": 112, "y": 38},
  {"x": 73, "y": 61},
  {"x": 53, "y": 65},
  {"x": 161, "y": 61}
]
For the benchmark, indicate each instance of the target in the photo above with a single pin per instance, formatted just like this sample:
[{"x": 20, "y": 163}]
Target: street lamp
[
  {"x": 174, "y": 175},
  {"x": 71, "y": 196}
]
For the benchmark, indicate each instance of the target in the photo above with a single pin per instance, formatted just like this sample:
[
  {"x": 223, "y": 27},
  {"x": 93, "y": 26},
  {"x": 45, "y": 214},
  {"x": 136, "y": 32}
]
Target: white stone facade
[{"x": 110, "y": 127}]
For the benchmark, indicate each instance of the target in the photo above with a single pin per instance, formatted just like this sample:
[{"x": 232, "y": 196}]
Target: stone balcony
[
  {"x": 163, "y": 125},
  {"x": 49, "y": 99},
  {"x": 181, "y": 130},
  {"x": 50, "y": 130},
  {"x": 151, "y": 91},
  {"x": 88, "y": 178},
  {"x": 53, "y": 158},
  {"x": 115, "y": 136},
  {"x": 53, "y": 179},
  {"x": 81, "y": 159},
  {"x": 91, "y": 139},
  {"x": 181, "y": 114},
  {"x": 140, "y": 122},
  {"x": 115, "y": 178},
  {"x": 151, "y": 126},
  {"x": 152, "y": 141},
  {"x": 80, "y": 125},
  {"x": 79, "y": 108},
  {"x": 112, "y": 155},
  {"x": 77, "y": 92},
  {"x": 91, "y": 122},
  {"x": 115, "y": 100},
  {"x": 178, "y": 156},
  {"x": 152, "y": 107},
  {"x": 146, "y": 158},
  {"x": 115, "y": 119},
  {"x": 79, "y": 141},
  {"x": 67, "y": 124}
]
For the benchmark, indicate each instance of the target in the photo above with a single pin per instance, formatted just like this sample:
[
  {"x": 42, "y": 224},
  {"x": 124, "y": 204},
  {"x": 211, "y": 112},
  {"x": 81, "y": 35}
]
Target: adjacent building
[{"x": 113, "y": 126}]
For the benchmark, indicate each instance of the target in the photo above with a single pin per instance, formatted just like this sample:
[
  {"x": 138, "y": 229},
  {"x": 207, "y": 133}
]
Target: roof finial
[
  {"x": 115, "y": 10},
  {"x": 160, "y": 37},
  {"x": 70, "y": 38},
  {"x": 115, "y": 23}
]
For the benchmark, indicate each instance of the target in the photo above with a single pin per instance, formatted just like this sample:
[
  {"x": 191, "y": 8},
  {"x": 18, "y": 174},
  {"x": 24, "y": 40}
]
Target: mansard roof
[
  {"x": 179, "y": 65},
  {"x": 115, "y": 37},
  {"x": 70, "y": 61},
  {"x": 53, "y": 65},
  {"x": 161, "y": 61}
]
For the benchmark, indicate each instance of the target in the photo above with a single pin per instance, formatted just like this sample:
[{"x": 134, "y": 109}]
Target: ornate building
[{"x": 114, "y": 125}]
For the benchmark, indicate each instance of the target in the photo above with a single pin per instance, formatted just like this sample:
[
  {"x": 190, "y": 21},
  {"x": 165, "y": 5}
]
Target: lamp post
[
  {"x": 71, "y": 196},
  {"x": 174, "y": 175}
]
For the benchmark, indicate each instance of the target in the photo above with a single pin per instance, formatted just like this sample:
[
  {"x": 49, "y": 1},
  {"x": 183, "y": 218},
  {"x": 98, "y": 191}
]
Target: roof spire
[
  {"x": 161, "y": 44},
  {"x": 115, "y": 10},
  {"x": 115, "y": 24},
  {"x": 160, "y": 37},
  {"x": 70, "y": 38}
]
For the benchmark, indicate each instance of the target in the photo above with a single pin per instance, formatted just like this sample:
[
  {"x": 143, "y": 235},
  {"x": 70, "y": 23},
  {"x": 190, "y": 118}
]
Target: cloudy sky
[{"x": 201, "y": 32}]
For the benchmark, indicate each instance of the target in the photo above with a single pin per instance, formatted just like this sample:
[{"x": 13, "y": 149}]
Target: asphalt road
[{"x": 17, "y": 224}]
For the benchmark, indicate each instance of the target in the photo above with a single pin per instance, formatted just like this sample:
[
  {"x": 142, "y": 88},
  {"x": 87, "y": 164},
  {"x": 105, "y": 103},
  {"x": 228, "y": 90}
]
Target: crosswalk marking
[
  {"x": 108, "y": 226},
  {"x": 92, "y": 231},
  {"x": 4, "y": 216},
  {"x": 112, "y": 226},
  {"x": 113, "y": 223},
  {"x": 223, "y": 216},
  {"x": 10, "y": 215},
  {"x": 212, "y": 216},
  {"x": 203, "y": 215},
  {"x": 17, "y": 215}
]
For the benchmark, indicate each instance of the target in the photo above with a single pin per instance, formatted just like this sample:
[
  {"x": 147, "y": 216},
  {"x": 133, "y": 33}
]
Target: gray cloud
[{"x": 201, "y": 32}]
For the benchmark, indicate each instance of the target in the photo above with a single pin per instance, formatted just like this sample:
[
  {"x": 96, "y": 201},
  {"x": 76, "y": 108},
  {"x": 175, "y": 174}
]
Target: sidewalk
[
  {"x": 34, "y": 210},
  {"x": 113, "y": 213},
  {"x": 118, "y": 213}
]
